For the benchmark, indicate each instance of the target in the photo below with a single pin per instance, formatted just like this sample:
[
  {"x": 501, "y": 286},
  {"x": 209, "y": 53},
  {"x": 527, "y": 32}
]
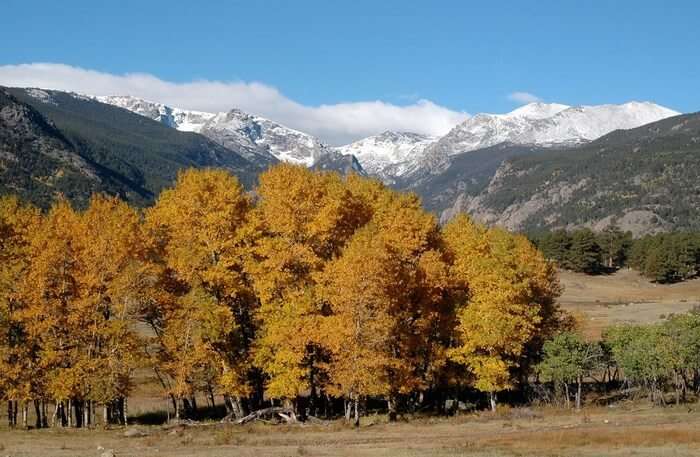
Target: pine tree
[{"x": 584, "y": 254}]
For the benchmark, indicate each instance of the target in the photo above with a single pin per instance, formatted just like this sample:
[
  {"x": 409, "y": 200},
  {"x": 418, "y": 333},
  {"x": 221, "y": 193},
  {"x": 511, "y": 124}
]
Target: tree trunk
[
  {"x": 10, "y": 413},
  {"x": 241, "y": 405},
  {"x": 391, "y": 408},
  {"x": 25, "y": 410},
  {"x": 492, "y": 401},
  {"x": 348, "y": 409},
  {"x": 37, "y": 412},
  {"x": 566, "y": 395},
  {"x": 125, "y": 411},
  {"x": 357, "y": 412},
  {"x": 177, "y": 410},
  {"x": 579, "y": 381},
  {"x": 211, "y": 397},
  {"x": 45, "y": 411},
  {"x": 55, "y": 415}
]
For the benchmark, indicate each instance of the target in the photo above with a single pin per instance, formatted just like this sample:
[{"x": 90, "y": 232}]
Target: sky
[{"x": 346, "y": 69}]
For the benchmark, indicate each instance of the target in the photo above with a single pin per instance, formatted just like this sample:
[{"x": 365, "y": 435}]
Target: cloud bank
[
  {"x": 523, "y": 97},
  {"x": 334, "y": 123}
]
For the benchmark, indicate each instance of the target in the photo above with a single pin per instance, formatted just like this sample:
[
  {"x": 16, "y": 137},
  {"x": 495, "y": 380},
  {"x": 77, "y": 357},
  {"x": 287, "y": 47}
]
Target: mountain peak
[
  {"x": 389, "y": 154},
  {"x": 258, "y": 139},
  {"x": 538, "y": 110}
]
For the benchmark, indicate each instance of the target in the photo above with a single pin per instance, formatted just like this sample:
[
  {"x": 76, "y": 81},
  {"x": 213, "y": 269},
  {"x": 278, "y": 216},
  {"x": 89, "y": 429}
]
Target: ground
[
  {"x": 624, "y": 297},
  {"x": 629, "y": 428}
]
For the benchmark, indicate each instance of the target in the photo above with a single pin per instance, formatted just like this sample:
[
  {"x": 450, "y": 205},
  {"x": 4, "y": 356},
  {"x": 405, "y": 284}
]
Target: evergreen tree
[{"x": 585, "y": 253}]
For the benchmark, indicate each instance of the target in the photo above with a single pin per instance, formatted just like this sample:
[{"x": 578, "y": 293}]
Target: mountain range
[{"x": 133, "y": 147}]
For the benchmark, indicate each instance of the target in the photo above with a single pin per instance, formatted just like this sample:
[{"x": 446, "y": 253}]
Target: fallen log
[{"x": 287, "y": 414}]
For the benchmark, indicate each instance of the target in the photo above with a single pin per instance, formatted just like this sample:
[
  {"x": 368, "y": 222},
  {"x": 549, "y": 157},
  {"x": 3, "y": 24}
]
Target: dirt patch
[{"x": 624, "y": 297}]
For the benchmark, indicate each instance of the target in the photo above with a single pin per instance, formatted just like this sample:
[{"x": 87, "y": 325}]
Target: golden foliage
[
  {"x": 320, "y": 283},
  {"x": 511, "y": 291}
]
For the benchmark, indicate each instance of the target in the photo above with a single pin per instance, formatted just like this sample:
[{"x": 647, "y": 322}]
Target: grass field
[
  {"x": 624, "y": 297},
  {"x": 627, "y": 429}
]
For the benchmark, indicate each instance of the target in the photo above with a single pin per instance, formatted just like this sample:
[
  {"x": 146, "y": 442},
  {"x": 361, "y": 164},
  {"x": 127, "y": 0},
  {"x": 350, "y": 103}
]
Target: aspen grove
[{"x": 315, "y": 293}]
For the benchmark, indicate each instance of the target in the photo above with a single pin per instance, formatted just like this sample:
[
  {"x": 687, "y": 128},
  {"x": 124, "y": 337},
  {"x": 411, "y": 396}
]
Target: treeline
[
  {"x": 663, "y": 258},
  {"x": 653, "y": 359},
  {"x": 317, "y": 293}
]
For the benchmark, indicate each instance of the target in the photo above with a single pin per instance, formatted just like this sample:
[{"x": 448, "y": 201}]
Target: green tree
[
  {"x": 645, "y": 354},
  {"x": 615, "y": 245},
  {"x": 584, "y": 254},
  {"x": 569, "y": 359}
]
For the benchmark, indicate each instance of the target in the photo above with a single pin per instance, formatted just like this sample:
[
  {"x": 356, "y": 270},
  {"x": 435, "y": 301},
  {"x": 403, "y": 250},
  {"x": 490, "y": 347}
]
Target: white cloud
[
  {"x": 523, "y": 97},
  {"x": 335, "y": 123}
]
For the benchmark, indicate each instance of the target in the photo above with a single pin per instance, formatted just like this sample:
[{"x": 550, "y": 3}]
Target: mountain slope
[
  {"x": 260, "y": 140},
  {"x": 548, "y": 124},
  {"x": 388, "y": 155},
  {"x": 38, "y": 163},
  {"x": 141, "y": 152},
  {"x": 183, "y": 120},
  {"x": 466, "y": 174},
  {"x": 408, "y": 160},
  {"x": 645, "y": 179}
]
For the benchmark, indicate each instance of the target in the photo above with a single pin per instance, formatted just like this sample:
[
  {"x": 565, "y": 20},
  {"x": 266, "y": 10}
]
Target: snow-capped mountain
[
  {"x": 394, "y": 155},
  {"x": 184, "y": 120},
  {"x": 255, "y": 137},
  {"x": 389, "y": 154},
  {"x": 403, "y": 155},
  {"x": 264, "y": 138},
  {"x": 544, "y": 124},
  {"x": 539, "y": 124}
]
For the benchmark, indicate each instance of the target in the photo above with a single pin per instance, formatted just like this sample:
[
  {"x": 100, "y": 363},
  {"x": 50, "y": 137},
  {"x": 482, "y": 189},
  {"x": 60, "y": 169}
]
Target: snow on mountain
[
  {"x": 543, "y": 124},
  {"x": 255, "y": 137},
  {"x": 393, "y": 155},
  {"x": 389, "y": 154},
  {"x": 184, "y": 120},
  {"x": 537, "y": 110},
  {"x": 263, "y": 138},
  {"x": 539, "y": 124}
]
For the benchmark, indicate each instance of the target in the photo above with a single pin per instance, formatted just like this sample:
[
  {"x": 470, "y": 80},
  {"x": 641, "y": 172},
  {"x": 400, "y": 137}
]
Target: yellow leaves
[
  {"x": 83, "y": 286},
  {"x": 314, "y": 209},
  {"x": 511, "y": 292},
  {"x": 492, "y": 374},
  {"x": 197, "y": 229},
  {"x": 321, "y": 282},
  {"x": 17, "y": 223},
  {"x": 198, "y": 223}
]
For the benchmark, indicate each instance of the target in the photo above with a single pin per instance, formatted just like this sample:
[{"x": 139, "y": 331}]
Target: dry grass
[
  {"x": 624, "y": 297},
  {"x": 542, "y": 432}
]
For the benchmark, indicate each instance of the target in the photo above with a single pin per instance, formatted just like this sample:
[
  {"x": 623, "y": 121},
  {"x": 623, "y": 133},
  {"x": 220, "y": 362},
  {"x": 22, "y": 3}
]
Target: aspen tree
[
  {"x": 207, "y": 334},
  {"x": 301, "y": 221},
  {"x": 18, "y": 375},
  {"x": 510, "y": 302}
]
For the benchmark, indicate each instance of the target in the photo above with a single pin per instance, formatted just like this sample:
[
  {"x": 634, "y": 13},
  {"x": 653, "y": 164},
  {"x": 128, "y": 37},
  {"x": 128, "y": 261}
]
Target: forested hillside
[
  {"x": 138, "y": 154},
  {"x": 643, "y": 180},
  {"x": 38, "y": 163}
]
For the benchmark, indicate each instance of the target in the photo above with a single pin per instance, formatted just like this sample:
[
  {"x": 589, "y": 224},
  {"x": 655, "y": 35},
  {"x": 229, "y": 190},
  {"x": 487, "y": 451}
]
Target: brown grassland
[{"x": 627, "y": 428}]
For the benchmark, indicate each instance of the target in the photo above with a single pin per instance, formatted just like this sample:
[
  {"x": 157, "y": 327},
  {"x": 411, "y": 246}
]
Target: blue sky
[{"x": 462, "y": 56}]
